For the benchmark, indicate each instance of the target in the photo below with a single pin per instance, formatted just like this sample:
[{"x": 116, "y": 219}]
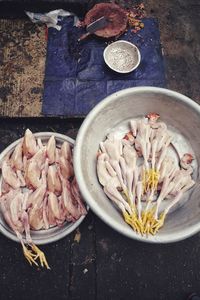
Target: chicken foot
[{"x": 34, "y": 253}]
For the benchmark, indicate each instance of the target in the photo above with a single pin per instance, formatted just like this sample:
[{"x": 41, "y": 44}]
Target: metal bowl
[
  {"x": 181, "y": 114},
  {"x": 55, "y": 233},
  {"x": 122, "y": 56},
  {"x": 116, "y": 15}
]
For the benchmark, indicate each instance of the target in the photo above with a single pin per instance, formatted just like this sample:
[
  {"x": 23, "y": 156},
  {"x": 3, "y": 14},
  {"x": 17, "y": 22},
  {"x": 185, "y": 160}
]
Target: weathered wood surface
[
  {"x": 23, "y": 50},
  {"x": 104, "y": 264}
]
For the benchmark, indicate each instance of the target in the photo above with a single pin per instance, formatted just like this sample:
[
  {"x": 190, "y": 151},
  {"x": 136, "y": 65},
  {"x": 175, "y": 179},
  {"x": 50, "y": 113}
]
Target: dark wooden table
[{"x": 104, "y": 264}]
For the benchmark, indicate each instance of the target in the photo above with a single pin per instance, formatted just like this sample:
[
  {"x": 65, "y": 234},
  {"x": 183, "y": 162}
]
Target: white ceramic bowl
[
  {"x": 122, "y": 56},
  {"x": 41, "y": 236},
  {"x": 179, "y": 112}
]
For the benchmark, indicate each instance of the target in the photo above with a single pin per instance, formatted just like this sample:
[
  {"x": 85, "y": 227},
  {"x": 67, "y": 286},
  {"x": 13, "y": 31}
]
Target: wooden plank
[
  {"x": 83, "y": 262},
  {"x": 127, "y": 269},
  {"x": 21, "y": 281}
]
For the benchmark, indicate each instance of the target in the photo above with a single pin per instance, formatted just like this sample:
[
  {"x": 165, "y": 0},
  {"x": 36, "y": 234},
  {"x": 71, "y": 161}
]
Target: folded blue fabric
[{"x": 76, "y": 77}]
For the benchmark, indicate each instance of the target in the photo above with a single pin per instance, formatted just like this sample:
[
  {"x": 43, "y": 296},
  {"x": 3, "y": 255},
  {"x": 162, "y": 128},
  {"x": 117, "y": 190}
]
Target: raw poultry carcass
[
  {"x": 38, "y": 191},
  {"x": 138, "y": 173}
]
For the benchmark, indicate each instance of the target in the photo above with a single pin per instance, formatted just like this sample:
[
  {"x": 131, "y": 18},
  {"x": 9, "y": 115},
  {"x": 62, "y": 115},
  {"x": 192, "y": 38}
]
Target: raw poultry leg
[
  {"x": 29, "y": 145},
  {"x": 16, "y": 157},
  {"x": 9, "y": 175},
  {"x": 66, "y": 151},
  {"x": 51, "y": 150}
]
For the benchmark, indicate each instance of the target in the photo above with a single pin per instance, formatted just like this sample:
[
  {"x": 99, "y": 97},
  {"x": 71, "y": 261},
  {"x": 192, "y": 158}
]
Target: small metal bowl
[
  {"x": 122, "y": 56},
  {"x": 40, "y": 237}
]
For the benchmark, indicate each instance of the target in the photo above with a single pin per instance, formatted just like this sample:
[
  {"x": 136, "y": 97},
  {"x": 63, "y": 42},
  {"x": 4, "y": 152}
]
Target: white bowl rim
[
  {"x": 124, "y": 42},
  {"x": 174, "y": 237},
  {"x": 71, "y": 227}
]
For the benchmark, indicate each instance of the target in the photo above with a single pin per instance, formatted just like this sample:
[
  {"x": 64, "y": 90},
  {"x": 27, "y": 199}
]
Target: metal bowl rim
[
  {"x": 183, "y": 234},
  {"x": 122, "y": 42},
  {"x": 71, "y": 227}
]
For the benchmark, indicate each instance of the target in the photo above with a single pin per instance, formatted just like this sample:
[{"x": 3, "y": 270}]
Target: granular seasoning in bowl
[{"x": 122, "y": 56}]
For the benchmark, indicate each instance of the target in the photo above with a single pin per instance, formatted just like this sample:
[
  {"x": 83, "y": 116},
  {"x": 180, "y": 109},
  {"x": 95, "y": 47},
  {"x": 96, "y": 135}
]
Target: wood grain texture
[
  {"x": 117, "y": 267},
  {"x": 83, "y": 262},
  {"x": 128, "y": 269}
]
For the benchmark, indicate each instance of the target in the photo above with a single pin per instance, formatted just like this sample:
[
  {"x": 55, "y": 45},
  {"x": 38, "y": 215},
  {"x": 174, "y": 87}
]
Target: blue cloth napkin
[{"x": 77, "y": 78}]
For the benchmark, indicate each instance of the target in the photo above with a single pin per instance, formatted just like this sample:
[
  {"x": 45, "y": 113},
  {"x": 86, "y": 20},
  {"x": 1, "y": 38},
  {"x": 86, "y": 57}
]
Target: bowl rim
[
  {"x": 122, "y": 42},
  {"x": 174, "y": 237},
  {"x": 42, "y": 240}
]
